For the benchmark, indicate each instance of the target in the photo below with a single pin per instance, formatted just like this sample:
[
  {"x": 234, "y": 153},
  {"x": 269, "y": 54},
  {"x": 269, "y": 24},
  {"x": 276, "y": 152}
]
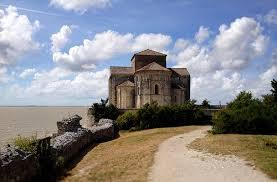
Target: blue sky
[{"x": 58, "y": 52}]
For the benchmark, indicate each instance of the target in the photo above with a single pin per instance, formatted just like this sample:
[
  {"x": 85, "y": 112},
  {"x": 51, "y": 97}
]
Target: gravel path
[{"x": 174, "y": 161}]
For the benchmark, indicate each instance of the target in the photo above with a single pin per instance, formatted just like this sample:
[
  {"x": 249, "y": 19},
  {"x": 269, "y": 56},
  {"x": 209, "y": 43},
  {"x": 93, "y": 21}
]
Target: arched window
[{"x": 156, "y": 89}]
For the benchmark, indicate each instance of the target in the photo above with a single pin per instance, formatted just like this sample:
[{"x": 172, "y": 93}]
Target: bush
[
  {"x": 246, "y": 115},
  {"x": 153, "y": 116},
  {"x": 102, "y": 110},
  {"x": 28, "y": 144},
  {"x": 127, "y": 120}
]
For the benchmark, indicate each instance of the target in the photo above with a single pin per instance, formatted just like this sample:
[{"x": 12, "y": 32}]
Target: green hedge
[
  {"x": 127, "y": 120},
  {"x": 154, "y": 116},
  {"x": 247, "y": 115}
]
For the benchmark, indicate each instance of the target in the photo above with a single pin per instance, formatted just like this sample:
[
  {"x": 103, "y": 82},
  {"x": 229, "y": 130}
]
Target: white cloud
[
  {"x": 216, "y": 67},
  {"x": 181, "y": 44},
  {"x": 202, "y": 34},
  {"x": 80, "y": 6},
  {"x": 3, "y": 75},
  {"x": 16, "y": 35},
  {"x": 269, "y": 74},
  {"x": 271, "y": 17},
  {"x": 154, "y": 41},
  {"x": 107, "y": 45},
  {"x": 27, "y": 72},
  {"x": 235, "y": 46},
  {"x": 219, "y": 86},
  {"x": 104, "y": 46},
  {"x": 60, "y": 83},
  {"x": 60, "y": 38}
]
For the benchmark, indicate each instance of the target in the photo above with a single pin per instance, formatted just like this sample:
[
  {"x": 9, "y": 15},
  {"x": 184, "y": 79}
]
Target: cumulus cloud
[
  {"x": 271, "y": 72},
  {"x": 219, "y": 86},
  {"x": 202, "y": 34},
  {"x": 107, "y": 45},
  {"x": 60, "y": 38},
  {"x": 3, "y": 75},
  {"x": 80, "y": 6},
  {"x": 27, "y": 72},
  {"x": 62, "y": 83},
  {"x": 16, "y": 35},
  {"x": 157, "y": 42},
  {"x": 235, "y": 46},
  {"x": 271, "y": 17},
  {"x": 216, "y": 67}
]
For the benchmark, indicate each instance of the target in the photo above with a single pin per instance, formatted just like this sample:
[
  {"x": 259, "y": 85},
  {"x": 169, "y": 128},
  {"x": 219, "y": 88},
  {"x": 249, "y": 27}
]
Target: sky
[{"x": 58, "y": 52}]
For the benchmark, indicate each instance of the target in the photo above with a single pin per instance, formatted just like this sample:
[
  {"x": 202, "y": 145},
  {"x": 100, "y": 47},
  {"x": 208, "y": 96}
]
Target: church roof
[
  {"x": 148, "y": 52},
  {"x": 115, "y": 70},
  {"x": 126, "y": 84},
  {"x": 180, "y": 71},
  {"x": 153, "y": 67}
]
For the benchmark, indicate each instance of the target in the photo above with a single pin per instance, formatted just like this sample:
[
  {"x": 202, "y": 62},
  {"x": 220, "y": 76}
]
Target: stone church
[{"x": 148, "y": 79}]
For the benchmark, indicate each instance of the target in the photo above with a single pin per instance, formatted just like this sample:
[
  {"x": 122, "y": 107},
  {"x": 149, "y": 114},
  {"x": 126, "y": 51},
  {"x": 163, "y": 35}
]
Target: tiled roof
[
  {"x": 126, "y": 84},
  {"x": 115, "y": 70},
  {"x": 149, "y": 52},
  {"x": 180, "y": 71},
  {"x": 153, "y": 67}
]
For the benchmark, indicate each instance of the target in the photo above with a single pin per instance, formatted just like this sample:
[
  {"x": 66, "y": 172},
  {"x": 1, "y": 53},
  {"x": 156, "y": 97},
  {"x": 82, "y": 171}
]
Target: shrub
[
  {"x": 206, "y": 104},
  {"x": 127, "y": 120},
  {"x": 246, "y": 115},
  {"x": 28, "y": 144},
  {"x": 102, "y": 110},
  {"x": 152, "y": 115}
]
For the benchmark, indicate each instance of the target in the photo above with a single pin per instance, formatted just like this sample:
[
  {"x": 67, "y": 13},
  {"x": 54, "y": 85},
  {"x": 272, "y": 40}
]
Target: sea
[{"x": 36, "y": 120}]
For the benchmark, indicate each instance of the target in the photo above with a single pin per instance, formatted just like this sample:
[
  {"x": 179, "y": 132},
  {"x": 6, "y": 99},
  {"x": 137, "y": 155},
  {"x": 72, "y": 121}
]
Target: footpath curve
[{"x": 175, "y": 162}]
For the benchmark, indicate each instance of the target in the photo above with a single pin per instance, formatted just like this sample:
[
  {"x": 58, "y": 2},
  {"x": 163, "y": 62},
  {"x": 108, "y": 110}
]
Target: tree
[
  {"x": 103, "y": 110},
  {"x": 274, "y": 90},
  {"x": 206, "y": 104}
]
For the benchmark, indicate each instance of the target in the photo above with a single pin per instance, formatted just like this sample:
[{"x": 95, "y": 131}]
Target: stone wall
[
  {"x": 69, "y": 144},
  {"x": 17, "y": 165},
  {"x": 71, "y": 139},
  {"x": 146, "y": 82}
]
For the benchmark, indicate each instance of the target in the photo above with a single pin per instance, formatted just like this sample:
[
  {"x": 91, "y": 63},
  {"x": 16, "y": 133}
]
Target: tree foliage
[
  {"x": 103, "y": 110},
  {"x": 246, "y": 114},
  {"x": 206, "y": 104}
]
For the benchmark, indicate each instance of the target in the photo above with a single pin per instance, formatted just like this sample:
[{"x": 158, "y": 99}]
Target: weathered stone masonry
[
  {"x": 148, "y": 80},
  {"x": 17, "y": 165}
]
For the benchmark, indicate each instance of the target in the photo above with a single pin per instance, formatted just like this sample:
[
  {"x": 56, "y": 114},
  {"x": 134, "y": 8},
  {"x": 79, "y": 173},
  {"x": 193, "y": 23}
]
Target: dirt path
[{"x": 174, "y": 161}]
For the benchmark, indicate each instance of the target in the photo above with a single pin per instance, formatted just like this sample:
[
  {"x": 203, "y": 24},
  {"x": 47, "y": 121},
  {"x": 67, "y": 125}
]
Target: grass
[
  {"x": 260, "y": 150},
  {"x": 127, "y": 158},
  {"x": 28, "y": 144}
]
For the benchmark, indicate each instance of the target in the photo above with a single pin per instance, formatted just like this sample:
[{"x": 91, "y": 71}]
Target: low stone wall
[{"x": 17, "y": 165}]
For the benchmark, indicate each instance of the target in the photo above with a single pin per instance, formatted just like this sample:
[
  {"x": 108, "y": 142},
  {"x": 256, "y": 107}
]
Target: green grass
[
  {"x": 28, "y": 144},
  {"x": 127, "y": 158},
  {"x": 261, "y": 150}
]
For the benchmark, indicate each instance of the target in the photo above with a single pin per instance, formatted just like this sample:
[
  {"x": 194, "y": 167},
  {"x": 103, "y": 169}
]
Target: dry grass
[
  {"x": 260, "y": 150},
  {"x": 127, "y": 158}
]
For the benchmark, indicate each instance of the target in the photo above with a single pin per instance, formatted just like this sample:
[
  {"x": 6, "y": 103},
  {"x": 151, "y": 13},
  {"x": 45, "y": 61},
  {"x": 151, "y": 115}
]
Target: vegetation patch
[
  {"x": 260, "y": 150},
  {"x": 249, "y": 115},
  {"x": 28, "y": 144}
]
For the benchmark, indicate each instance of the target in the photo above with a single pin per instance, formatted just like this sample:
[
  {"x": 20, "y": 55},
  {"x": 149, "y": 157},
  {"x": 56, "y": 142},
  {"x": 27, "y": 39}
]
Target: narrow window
[{"x": 156, "y": 89}]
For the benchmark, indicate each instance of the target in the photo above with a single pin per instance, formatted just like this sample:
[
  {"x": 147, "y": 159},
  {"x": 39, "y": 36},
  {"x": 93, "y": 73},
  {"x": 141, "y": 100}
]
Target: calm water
[{"x": 27, "y": 121}]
